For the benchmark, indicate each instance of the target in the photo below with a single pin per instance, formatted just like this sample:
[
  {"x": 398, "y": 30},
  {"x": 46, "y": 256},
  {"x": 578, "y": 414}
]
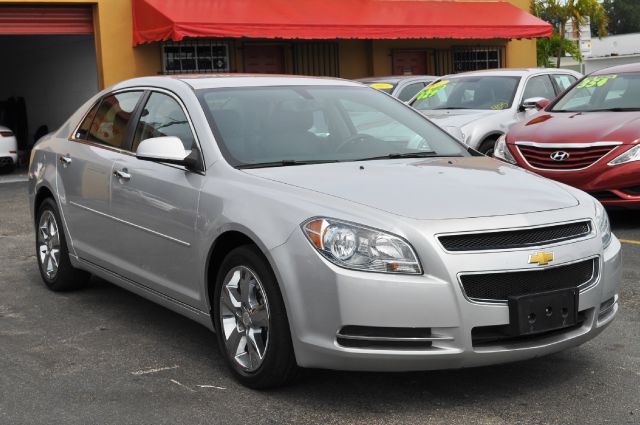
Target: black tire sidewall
[
  {"x": 277, "y": 363},
  {"x": 67, "y": 277}
]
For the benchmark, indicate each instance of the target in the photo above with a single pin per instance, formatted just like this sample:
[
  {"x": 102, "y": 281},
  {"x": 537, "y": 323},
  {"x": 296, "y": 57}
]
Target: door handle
[
  {"x": 65, "y": 160},
  {"x": 122, "y": 174}
]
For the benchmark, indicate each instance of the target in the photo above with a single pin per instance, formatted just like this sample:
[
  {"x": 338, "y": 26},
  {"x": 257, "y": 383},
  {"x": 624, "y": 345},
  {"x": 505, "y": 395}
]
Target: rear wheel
[
  {"x": 251, "y": 322},
  {"x": 52, "y": 253}
]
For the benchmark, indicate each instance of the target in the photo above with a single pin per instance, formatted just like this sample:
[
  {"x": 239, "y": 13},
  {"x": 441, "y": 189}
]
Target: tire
[
  {"x": 65, "y": 277},
  {"x": 487, "y": 146},
  {"x": 238, "y": 323}
]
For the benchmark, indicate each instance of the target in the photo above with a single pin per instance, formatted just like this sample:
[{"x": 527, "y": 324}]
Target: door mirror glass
[
  {"x": 167, "y": 149},
  {"x": 535, "y": 103}
]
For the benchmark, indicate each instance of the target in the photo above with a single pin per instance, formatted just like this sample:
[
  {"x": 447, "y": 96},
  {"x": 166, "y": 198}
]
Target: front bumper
[
  {"x": 321, "y": 299},
  {"x": 8, "y": 160}
]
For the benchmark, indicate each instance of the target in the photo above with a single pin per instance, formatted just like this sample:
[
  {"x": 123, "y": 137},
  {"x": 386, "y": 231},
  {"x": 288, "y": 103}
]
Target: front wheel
[
  {"x": 52, "y": 253},
  {"x": 487, "y": 147},
  {"x": 251, "y": 321}
]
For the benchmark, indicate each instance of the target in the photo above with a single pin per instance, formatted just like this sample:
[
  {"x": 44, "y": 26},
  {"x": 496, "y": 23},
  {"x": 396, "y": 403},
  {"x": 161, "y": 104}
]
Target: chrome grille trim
[{"x": 568, "y": 146}]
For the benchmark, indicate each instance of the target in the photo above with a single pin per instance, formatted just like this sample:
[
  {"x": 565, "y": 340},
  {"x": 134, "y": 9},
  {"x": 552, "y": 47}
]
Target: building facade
[{"x": 118, "y": 59}]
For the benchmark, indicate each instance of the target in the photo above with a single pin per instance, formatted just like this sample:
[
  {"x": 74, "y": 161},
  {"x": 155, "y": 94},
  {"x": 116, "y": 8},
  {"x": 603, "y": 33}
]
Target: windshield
[
  {"x": 473, "y": 92},
  {"x": 302, "y": 124},
  {"x": 611, "y": 92}
]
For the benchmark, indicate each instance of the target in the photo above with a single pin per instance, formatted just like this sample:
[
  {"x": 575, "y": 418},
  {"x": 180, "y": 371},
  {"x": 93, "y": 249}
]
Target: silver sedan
[{"x": 318, "y": 223}]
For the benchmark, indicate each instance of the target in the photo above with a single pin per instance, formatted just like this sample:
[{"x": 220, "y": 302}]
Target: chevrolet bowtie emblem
[{"x": 541, "y": 258}]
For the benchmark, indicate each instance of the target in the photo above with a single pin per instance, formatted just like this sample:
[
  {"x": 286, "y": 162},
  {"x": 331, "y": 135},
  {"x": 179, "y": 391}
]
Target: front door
[
  {"x": 85, "y": 175},
  {"x": 156, "y": 206},
  {"x": 409, "y": 63},
  {"x": 264, "y": 59}
]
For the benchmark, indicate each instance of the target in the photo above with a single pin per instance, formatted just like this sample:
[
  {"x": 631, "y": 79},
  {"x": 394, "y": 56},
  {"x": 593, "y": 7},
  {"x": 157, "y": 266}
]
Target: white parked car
[
  {"x": 8, "y": 149},
  {"x": 480, "y": 106}
]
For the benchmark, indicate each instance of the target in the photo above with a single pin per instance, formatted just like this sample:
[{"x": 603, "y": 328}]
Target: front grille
[
  {"x": 605, "y": 196},
  {"x": 633, "y": 191},
  {"x": 498, "y": 287},
  {"x": 510, "y": 239},
  {"x": 578, "y": 157}
]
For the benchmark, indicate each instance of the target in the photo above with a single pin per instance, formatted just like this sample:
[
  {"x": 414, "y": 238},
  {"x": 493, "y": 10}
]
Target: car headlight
[
  {"x": 632, "y": 154},
  {"x": 501, "y": 151},
  {"x": 357, "y": 247},
  {"x": 602, "y": 222}
]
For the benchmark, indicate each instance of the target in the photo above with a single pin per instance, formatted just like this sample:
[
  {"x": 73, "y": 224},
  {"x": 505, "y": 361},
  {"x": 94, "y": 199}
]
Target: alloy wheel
[
  {"x": 245, "y": 318},
  {"x": 48, "y": 244}
]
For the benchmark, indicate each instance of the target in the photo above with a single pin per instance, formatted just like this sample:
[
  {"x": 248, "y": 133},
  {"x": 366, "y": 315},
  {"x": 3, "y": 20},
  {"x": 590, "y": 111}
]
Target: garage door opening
[{"x": 48, "y": 69}]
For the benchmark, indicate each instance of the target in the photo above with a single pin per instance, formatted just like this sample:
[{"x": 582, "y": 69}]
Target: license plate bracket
[{"x": 543, "y": 312}]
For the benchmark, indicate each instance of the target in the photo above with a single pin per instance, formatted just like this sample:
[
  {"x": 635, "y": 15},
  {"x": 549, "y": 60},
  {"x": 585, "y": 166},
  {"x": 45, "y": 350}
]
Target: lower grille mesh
[{"x": 500, "y": 286}]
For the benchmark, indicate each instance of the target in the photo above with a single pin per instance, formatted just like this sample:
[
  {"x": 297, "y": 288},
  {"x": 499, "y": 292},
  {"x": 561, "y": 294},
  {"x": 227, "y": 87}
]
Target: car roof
[
  {"x": 205, "y": 81},
  {"x": 620, "y": 69},
  {"x": 395, "y": 78},
  {"x": 513, "y": 72}
]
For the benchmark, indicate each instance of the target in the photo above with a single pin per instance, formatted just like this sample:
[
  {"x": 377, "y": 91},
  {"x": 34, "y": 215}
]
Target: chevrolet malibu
[
  {"x": 262, "y": 208},
  {"x": 588, "y": 138}
]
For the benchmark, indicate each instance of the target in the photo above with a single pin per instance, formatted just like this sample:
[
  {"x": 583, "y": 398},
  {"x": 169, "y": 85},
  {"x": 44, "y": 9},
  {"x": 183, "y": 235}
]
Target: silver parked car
[
  {"x": 480, "y": 106},
  {"x": 403, "y": 87},
  {"x": 273, "y": 211}
]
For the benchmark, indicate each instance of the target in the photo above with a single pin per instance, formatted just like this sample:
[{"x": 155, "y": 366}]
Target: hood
[
  {"x": 432, "y": 189},
  {"x": 566, "y": 127},
  {"x": 455, "y": 117}
]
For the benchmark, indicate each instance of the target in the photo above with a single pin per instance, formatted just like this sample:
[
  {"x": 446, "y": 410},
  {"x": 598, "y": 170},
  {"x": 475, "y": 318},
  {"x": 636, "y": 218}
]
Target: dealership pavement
[{"x": 105, "y": 356}]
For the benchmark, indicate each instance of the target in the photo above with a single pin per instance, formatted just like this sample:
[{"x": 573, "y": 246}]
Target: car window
[
  {"x": 373, "y": 122},
  {"x": 605, "y": 92},
  {"x": 409, "y": 91},
  {"x": 471, "y": 92},
  {"x": 83, "y": 130},
  {"x": 162, "y": 116},
  {"x": 563, "y": 81},
  {"x": 539, "y": 86},
  {"x": 112, "y": 119},
  {"x": 257, "y": 125}
]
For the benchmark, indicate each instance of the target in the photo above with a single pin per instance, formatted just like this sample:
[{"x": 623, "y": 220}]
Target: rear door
[
  {"x": 156, "y": 205},
  {"x": 84, "y": 174}
]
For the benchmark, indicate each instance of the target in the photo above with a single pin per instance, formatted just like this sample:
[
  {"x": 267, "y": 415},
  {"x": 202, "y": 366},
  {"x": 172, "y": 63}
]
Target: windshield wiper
[
  {"x": 286, "y": 163},
  {"x": 449, "y": 107},
  {"x": 424, "y": 154},
  {"x": 614, "y": 110}
]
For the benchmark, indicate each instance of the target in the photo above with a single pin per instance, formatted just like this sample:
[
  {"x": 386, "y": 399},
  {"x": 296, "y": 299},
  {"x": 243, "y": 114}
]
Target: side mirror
[
  {"x": 534, "y": 103},
  {"x": 168, "y": 149}
]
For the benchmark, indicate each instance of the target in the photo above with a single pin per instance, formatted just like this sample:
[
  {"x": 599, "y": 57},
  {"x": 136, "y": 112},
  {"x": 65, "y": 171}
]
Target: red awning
[
  {"x": 45, "y": 20},
  {"x": 156, "y": 20}
]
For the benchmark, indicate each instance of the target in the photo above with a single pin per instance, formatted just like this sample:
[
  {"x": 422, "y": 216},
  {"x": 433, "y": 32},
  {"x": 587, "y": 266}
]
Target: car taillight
[{"x": 6, "y": 133}]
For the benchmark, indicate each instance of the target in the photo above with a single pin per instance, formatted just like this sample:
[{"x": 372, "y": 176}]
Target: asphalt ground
[{"x": 105, "y": 356}]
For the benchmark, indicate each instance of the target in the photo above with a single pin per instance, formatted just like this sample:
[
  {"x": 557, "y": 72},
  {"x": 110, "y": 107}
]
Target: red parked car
[{"x": 589, "y": 137}]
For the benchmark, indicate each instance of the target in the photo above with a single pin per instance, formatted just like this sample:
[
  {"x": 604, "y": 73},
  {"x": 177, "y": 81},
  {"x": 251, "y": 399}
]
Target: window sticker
[
  {"x": 381, "y": 86},
  {"x": 499, "y": 106},
  {"x": 597, "y": 81},
  {"x": 432, "y": 90}
]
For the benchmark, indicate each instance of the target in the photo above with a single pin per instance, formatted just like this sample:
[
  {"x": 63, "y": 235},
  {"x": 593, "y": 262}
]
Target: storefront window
[
  {"x": 473, "y": 59},
  {"x": 200, "y": 56}
]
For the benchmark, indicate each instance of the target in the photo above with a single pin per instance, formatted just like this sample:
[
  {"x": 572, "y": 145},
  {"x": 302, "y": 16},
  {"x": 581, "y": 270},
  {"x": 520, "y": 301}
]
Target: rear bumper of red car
[{"x": 614, "y": 186}]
